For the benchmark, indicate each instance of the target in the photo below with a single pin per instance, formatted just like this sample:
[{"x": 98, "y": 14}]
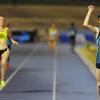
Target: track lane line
[
  {"x": 55, "y": 74},
  {"x": 20, "y": 66}
]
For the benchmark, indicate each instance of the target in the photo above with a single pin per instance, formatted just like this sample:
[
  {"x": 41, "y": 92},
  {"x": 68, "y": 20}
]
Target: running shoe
[{"x": 2, "y": 84}]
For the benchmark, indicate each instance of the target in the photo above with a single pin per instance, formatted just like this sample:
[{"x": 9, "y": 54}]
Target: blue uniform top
[{"x": 98, "y": 51}]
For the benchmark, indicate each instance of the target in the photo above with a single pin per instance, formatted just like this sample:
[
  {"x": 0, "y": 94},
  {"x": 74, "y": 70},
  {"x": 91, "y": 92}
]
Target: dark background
[{"x": 51, "y": 2}]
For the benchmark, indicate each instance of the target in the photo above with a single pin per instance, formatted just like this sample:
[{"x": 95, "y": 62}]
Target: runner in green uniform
[{"x": 4, "y": 51}]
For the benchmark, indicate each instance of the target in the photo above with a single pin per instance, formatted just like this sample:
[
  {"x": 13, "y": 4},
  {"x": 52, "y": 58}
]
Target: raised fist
[{"x": 91, "y": 8}]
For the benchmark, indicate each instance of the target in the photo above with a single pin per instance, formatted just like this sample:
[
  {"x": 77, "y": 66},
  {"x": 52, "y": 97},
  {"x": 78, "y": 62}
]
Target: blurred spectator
[
  {"x": 52, "y": 36},
  {"x": 33, "y": 35},
  {"x": 72, "y": 34}
]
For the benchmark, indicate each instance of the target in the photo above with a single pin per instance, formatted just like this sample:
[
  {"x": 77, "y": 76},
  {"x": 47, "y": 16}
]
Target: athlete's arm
[
  {"x": 87, "y": 18},
  {"x": 10, "y": 37},
  {"x": 14, "y": 42}
]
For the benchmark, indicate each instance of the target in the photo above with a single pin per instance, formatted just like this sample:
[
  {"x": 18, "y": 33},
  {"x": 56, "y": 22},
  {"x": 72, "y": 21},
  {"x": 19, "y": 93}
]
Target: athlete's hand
[
  {"x": 15, "y": 42},
  {"x": 91, "y": 8}
]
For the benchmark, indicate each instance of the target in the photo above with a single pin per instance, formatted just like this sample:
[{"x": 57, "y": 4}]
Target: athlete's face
[{"x": 2, "y": 21}]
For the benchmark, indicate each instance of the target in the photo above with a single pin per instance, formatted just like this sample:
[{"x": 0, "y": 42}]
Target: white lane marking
[
  {"x": 20, "y": 66},
  {"x": 55, "y": 74}
]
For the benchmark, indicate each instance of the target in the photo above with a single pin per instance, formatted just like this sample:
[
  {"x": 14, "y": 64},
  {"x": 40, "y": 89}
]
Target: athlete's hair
[{"x": 98, "y": 16}]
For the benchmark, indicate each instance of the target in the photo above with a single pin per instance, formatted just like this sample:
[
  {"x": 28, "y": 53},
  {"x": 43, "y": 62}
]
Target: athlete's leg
[
  {"x": 8, "y": 60},
  {"x": 4, "y": 58},
  {"x": 52, "y": 43},
  {"x": 98, "y": 80}
]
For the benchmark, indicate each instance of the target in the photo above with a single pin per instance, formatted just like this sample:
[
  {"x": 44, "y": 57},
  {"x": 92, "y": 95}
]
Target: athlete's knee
[
  {"x": 98, "y": 80},
  {"x": 3, "y": 62},
  {"x": 98, "y": 83}
]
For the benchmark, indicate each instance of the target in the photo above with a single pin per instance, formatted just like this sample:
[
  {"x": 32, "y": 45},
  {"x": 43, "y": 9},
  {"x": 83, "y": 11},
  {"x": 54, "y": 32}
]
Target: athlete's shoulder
[{"x": 98, "y": 32}]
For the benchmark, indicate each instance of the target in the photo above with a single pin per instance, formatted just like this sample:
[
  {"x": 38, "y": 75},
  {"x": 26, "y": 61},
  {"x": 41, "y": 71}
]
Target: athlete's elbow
[{"x": 85, "y": 25}]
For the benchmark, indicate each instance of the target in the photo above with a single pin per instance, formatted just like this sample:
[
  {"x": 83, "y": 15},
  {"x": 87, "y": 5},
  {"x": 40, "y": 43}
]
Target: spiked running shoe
[{"x": 2, "y": 84}]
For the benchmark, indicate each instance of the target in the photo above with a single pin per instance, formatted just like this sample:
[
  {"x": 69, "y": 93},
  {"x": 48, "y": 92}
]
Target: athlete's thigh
[
  {"x": 4, "y": 56},
  {"x": 98, "y": 74}
]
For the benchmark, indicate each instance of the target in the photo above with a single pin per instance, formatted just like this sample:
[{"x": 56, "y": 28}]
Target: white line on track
[
  {"x": 55, "y": 74},
  {"x": 21, "y": 65}
]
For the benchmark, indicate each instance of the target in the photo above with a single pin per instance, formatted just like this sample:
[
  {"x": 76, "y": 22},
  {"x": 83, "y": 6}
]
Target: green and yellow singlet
[{"x": 3, "y": 34}]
